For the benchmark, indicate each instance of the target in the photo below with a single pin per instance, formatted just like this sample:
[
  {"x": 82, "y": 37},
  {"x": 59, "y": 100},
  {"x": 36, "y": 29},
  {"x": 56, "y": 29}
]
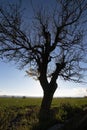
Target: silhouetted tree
[{"x": 52, "y": 46}]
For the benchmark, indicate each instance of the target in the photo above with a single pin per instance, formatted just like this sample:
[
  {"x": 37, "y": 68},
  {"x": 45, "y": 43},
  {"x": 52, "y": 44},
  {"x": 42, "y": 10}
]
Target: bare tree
[{"x": 52, "y": 46}]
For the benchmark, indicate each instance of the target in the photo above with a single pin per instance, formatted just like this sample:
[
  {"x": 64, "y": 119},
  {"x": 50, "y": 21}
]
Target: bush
[{"x": 67, "y": 111}]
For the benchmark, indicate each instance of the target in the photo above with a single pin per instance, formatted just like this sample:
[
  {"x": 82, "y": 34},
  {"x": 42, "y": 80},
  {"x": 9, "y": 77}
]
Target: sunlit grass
[
  {"x": 19, "y": 102},
  {"x": 72, "y": 101},
  {"x": 23, "y": 102}
]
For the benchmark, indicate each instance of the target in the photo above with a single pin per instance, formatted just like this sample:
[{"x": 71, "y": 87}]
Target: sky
[{"x": 15, "y": 82}]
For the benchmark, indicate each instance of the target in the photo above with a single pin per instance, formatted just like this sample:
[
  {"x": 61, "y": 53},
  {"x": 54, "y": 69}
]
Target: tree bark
[{"x": 45, "y": 112}]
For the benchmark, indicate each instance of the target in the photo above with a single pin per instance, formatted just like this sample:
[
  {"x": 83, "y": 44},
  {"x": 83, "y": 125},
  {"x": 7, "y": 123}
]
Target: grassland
[
  {"x": 24, "y": 102},
  {"x": 22, "y": 113}
]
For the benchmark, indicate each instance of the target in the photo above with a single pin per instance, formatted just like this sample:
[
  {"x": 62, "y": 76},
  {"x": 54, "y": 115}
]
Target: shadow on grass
[
  {"x": 26, "y": 118},
  {"x": 47, "y": 120},
  {"x": 65, "y": 114}
]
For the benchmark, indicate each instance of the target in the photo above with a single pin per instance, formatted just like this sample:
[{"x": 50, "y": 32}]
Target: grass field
[
  {"x": 22, "y": 113},
  {"x": 23, "y": 102}
]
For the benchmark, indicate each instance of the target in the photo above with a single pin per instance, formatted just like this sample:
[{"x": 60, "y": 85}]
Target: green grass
[
  {"x": 72, "y": 101},
  {"x": 23, "y": 102},
  {"x": 19, "y": 102},
  {"x": 22, "y": 113}
]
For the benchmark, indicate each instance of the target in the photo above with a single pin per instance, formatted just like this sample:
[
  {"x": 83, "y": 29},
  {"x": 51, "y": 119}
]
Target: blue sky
[{"x": 15, "y": 82}]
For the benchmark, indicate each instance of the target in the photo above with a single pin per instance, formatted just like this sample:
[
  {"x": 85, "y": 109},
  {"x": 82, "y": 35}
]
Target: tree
[{"x": 52, "y": 46}]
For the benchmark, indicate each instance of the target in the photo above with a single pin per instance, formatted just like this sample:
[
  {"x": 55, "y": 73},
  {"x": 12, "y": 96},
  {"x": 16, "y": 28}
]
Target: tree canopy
[{"x": 53, "y": 40}]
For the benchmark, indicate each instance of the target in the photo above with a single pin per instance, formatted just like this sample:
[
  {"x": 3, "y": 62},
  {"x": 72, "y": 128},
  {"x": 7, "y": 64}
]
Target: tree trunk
[
  {"x": 45, "y": 106},
  {"x": 45, "y": 113}
]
